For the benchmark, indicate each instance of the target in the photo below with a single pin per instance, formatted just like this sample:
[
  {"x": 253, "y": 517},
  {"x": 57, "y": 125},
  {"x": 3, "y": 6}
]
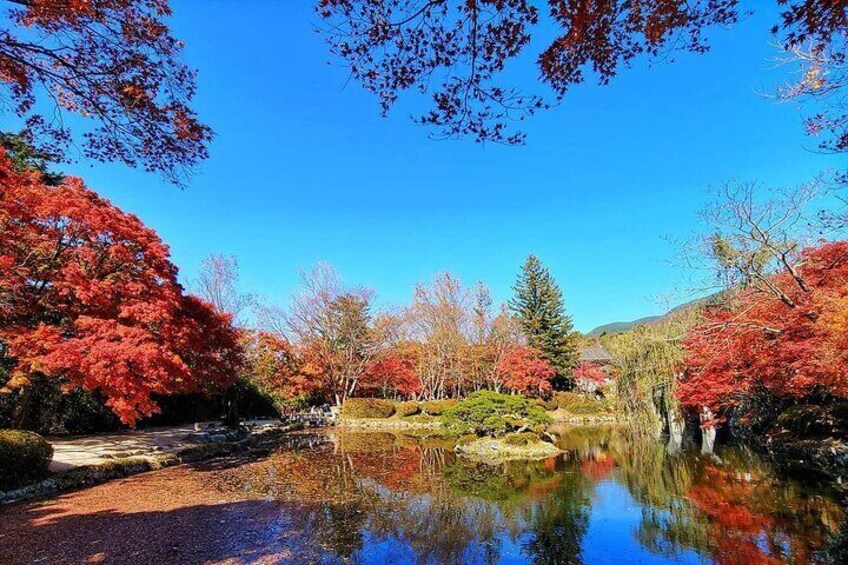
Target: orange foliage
[
  {"x": 111, "y": 60},
  {"x": 524, "y": 369},
  {"x": 89, "y": 295},
  {"x": 763, "y": 342},
  {"x": 274, "y": 367}
]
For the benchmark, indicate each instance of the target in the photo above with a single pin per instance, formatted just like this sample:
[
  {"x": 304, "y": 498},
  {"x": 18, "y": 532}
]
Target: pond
[{"x": 375, "y": 498}]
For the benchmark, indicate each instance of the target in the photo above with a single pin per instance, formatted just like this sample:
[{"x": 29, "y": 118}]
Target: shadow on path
[{"x": 234, "y": 532}]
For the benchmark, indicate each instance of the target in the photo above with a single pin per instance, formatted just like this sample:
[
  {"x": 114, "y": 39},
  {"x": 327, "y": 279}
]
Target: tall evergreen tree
[{"x": 539, "y": 306}]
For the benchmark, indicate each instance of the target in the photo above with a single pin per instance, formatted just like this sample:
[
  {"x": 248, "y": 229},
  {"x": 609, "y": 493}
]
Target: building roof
[{"x": 595, "y": 353}]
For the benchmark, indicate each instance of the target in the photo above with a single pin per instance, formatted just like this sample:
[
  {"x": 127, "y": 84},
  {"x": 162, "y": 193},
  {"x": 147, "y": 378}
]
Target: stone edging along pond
[
  {"x": 388, "y": 424},
  {"x": 91, "y": 475},
  {"x": 393, "y": 423}
]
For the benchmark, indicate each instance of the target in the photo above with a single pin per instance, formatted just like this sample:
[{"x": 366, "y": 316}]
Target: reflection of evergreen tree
[
  {"x": 500, "y": 483},
  {"x": 559, "y": 522},
  {"x": 340, "y": 528}
]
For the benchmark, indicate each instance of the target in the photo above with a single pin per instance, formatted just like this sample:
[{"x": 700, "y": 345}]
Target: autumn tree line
[
  {"x": 763, "y": 352},
  {"x": 90, "y": 301},
  {"x": 333, "y": 343},
  {"x": 91, "y": 308}
]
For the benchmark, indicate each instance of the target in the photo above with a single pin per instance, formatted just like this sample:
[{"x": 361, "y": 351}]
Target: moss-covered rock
[
  {"x": 367, "y": 408},
  {"x": 495, "y": 450},
  {"x": 24, "y": 457}
]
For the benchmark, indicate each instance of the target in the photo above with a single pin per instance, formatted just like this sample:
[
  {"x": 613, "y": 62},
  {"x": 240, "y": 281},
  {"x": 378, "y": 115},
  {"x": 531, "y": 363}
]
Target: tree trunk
[
  {"x": 708, "y": 430},
  {"x": 708, "y": 436},
  {"x": 19, "y": 419},
  {"x": 676, "y": 425}
]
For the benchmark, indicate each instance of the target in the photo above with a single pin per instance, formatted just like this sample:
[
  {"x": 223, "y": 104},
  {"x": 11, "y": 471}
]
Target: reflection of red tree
[
  {"x": 597, "y": 468},
  {"x": 740, "y": 530},
  {"x": 404, "y": 469}
]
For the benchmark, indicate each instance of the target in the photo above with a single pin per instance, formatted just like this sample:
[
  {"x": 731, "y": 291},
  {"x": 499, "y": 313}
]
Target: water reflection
[{"x": 370, "y": 497}]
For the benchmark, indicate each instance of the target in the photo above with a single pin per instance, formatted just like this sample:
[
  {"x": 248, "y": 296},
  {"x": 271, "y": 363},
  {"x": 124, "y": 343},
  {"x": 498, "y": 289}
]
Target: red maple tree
[
  {"x": 793, "y": 347},
  {"x": 113, "y": 61},
  {"x": 392, "y": 374},
  {"x": 456, "y": 50},
  {"x": 524, "y": 369},
  {"x": 589, "y": 372},
  {"x": 88, "y": 295}
]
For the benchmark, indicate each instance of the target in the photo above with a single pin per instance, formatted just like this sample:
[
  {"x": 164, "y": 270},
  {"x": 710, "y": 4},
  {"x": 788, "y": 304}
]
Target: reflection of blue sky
[
  {"x": 610, "y": 538},
  {"x": 614, "y": 516}
]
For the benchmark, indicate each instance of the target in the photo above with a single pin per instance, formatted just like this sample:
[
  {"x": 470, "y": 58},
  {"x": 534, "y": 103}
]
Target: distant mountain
[{"x": 621, "y": 327}]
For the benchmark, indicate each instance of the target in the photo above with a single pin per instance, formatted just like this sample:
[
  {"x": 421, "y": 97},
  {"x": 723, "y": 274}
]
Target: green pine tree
[{"x": 539, "y": 306}]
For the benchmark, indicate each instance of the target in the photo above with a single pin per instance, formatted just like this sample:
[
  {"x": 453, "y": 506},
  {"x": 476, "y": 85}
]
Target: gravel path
[
  {"x": 74, "y": 451},
  {"x": 171, "y": 516}
]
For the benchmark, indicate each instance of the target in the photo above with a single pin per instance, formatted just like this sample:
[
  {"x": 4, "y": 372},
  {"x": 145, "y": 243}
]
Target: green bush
[
  {"x": 24, "y": 457},
  {"x": 367, "y": 408},
  {"x": 406, "y": 409},
  {"x": 584, "y": 407},
  {"x": 549, "y": 404},
  {"x": 580, "y": 404},
  {"x": 438, "y": 407},
  {"x": 494, "y": 414}
]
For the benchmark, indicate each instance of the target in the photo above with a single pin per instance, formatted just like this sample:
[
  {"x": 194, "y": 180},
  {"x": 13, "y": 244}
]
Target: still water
[{"x": 376, "y": 498}]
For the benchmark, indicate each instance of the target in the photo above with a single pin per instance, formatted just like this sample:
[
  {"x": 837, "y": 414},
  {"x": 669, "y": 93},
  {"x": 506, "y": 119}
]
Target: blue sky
[{"x": 304, "y": 168}]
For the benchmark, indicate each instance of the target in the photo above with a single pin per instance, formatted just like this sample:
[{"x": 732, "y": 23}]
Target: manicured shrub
[
  {"x": 563, "y": 399},
  {"x": 406, "y": 409},
  {"x": 493, "y": 414},
  {"x": 584, "y": 407},
  {"x": 438, "y": 407},
  {"x": 580, "y": 404},
  {"x": 549, "y": 404},
  {"x": 367, "y": 408},
  {"x": 24, "y": 457}
]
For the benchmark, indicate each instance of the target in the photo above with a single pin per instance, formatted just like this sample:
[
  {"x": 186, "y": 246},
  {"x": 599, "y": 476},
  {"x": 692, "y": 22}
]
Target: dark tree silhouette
[
  {"x": 455, "y": 50},
  {"x": 113, "y": 61}
]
